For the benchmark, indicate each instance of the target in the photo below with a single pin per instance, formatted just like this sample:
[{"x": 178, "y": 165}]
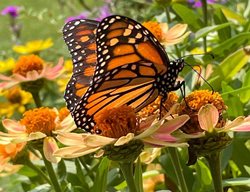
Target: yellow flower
[
  {"x": 16, "y": 101},
  {"x": 29, "y": 69},
  {"x": 40, "y": 123},
  {"x": 33, "y": 46},
  {"x": 119, "y": 128},
  {"x": 167, "y": 36},
  {"x": 7, "y": 65},
  {"x": 66, "y": 74}
]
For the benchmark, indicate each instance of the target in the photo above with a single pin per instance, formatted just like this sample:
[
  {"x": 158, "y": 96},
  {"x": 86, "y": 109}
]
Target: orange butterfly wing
[
  {"x": 129, "y": 60},
  {"x": 80, "y": 38}
]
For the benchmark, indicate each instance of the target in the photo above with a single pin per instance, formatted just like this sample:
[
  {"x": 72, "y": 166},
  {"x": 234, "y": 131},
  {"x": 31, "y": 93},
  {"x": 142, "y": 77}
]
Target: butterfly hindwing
[
  {"x": 129, "y": 60},
  {"x": 80, "y": 38}
]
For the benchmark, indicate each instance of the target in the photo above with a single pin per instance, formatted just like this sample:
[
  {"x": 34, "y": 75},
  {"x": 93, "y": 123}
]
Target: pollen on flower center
[
  {"x": 40, "y": 119},
  {"x": 192, "y": 104},
  {"x": 155, "y": 28},
  {"x": 63, "y": 113},
  {"x": 117, "y": 122},
  {"x": 154, "y": 107},
  {"x": 28, "y": 63},
  {"x": 14, "y": 95}
]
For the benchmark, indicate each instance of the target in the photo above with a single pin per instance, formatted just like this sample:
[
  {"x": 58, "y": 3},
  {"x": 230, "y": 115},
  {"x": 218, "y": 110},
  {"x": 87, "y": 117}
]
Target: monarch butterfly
[{"x": 126, "y": 65}]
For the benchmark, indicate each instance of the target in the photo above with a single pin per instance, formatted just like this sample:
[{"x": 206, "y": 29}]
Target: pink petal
[
  {"x": 165, "y": 137},
  {"x": 53, "y": 72},
  {"x": 49, "y": 147},
  {"x": 158, "y": 143},
  {"x": 173, "y": 124},
  {"x": 13, "y": 126},
  {"x": 5, "y": 78},
  {"x": 208, "y": 116},
  {"x": 240, "y": 124},
  {"x": 147, "y": 122}
]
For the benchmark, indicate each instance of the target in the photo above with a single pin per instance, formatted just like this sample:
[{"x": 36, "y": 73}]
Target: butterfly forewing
[
  {"x": 80, "y": 38},
  {"x": 129, "y": 59}
]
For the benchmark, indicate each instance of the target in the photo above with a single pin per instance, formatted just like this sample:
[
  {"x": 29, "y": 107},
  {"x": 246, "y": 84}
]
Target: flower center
[
  {"x": 116, "y": 122},
  {"x": 14, "y": 95},
  {"x": 40, "y": 119},
  {"x": 28, "y": 63},
  {"x": 63, "y": 113},
  {"x": 199, "y": 98},
  {"x": 155, "y": 28},
  {"x": 154, "y": 107},
  {"x": 194, "y": 102}
]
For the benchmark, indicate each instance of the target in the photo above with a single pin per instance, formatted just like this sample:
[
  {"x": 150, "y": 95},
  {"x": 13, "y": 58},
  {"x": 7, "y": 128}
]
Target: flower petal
[
  {"x": 36, "y": 136},
  {"x": 158, "y": 143},
  {"x": 208, "y": 116},
  {"x": 70, "y": 139},
  {"x": 13, "y": 126},
  {"x": 74, "y": 151},
  {"x": 49, "y": 147},
  {"x": 93, "y": 140},
  {"x": 173, "y": 124},
  {"x": 240, "y": 124},
  {"x": 124, "y": 139}
]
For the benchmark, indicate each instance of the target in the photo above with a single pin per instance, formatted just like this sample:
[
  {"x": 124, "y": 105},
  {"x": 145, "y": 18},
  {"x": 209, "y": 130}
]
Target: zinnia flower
[
  {"x": 7, "y": 65},
  {"x": 104, "y": 12},
  {"x": 167, "y": 36},
  {"x": 29, "y": 69},
  {"x": 36, "y": 125},
  {"x": 82, "y": 15},
  {"x": 205, "y": 109},
  {"x": 33, "y": 47},
  {"x": 11, "y": 10},
  {"x": 9, "y": 152},
  {"x": 16, "y": 101},
  {"x": 122, "y": 131}
]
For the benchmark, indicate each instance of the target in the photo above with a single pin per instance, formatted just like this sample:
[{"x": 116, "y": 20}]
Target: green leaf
[
  {"x": 231, "y": 44},
  {"x": 41, "y": 188},
  {"x": 80, "y": 174},
  {"x": 228, "y": 68},
  {"x": 240, "y": 181},
  {"x": 235, "y": 107},
  {"x": 61, "y": 170},
  {"x": 220, "y": 18},
  {"x": 233, "y": 15},
  {"x": 188, "y": 16},
  {"x": 245, "y": 96},
  {"x": 204, "y": 31},
  {"x": 138, "y": 176},
  {"x": 203, "y": 180},
  {"x": 101, "y": 177}
]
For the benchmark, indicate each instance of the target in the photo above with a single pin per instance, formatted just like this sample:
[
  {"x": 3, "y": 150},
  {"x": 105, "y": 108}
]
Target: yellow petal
[
  {"x": 13, "y": 126},
  {"x": 97, "y": 140},
  {"x": 36, "y": 136},
  {"x": 124, "y": 139}
]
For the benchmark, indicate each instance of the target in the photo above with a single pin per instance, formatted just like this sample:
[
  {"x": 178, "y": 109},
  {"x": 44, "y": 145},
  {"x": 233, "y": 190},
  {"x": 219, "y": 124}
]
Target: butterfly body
[{"x": 131, "y": 67}]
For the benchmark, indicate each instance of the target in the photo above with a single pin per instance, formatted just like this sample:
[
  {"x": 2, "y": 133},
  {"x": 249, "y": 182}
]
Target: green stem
[
  {"x": 39, "y": 171},
  {"x": 214, "y": 161},
  {"x": 52, "y": 174},
  {"x": 174, "y": 156},
  {"x": 127, "y": 170},
  {"x": 168, "y": 15},
  {"x": 89, "y": 172},
  {"x": 205, "y": 18},
  {"x": 36, "y": 98}
]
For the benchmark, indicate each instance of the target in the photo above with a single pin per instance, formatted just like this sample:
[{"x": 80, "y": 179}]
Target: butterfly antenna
[{"x": 200, "y": 76}]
